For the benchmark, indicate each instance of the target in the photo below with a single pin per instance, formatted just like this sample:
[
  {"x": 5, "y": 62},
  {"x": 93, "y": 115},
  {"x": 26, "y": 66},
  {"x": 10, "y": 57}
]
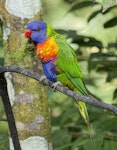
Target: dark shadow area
[{"x": 1, "y": 61}]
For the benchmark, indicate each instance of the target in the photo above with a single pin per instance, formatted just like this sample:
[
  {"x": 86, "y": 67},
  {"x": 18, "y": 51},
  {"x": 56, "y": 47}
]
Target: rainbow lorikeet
[{"x": 58, "y": 60}]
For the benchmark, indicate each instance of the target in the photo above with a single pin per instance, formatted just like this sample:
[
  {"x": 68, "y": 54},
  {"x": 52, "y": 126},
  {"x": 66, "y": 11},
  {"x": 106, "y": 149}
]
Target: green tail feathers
[
  {"x": 84, "y": 113},
  {"x": 71, "y": 75}
]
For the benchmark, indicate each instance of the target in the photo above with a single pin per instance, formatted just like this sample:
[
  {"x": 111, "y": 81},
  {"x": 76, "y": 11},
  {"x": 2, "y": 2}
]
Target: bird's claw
[
  {"x": 42, "y": 78},
  {"x": 54, "y": 85}
]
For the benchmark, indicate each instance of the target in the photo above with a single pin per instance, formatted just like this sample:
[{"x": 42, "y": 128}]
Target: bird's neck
[{"x": 47, "y": 50}]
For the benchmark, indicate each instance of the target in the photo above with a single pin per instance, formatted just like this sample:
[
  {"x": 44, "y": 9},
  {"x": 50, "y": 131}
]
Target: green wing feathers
[
  {"x": 71, "y": 75},
  {"x": 78, "y": 84},
  {"x": 66, "y": 59}
]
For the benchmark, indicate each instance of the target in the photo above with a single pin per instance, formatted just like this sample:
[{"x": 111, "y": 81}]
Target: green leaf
[
  {"x": 74, "y": 145},
  {"x": 61, "y": 137},
  {"x": 108, "y": 124},
  {"x": 112, "y": 22},
  {"x": 107, "y": 4},
  {"x": 115, "y": 94},
  {"x": 112, "y": 74},
  {"x": 81, "y": 5},
  {"x": 110, "y": 9},
  {"x": 93, "y": 146},
  {"x": 1, "y": 61},
  {"x": 110, "y": 145},
  {"x": 94, "y": 14}
]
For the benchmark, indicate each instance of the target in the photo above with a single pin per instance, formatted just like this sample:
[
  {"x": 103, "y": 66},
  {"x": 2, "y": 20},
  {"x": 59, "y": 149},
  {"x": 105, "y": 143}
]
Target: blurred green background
[{"x": 91, "y": 29}]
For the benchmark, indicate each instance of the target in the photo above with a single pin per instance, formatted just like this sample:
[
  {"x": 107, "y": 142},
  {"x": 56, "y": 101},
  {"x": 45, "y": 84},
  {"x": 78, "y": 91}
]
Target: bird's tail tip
[{"x": 90, "y": 130}]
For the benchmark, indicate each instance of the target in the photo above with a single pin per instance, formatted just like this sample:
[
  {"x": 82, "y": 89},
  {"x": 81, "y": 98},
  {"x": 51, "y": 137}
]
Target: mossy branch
[{"x": 62, "y": 89}]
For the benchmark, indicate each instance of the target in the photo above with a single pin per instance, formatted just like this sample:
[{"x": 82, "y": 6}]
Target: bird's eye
[{"x": 37, "y": 30}]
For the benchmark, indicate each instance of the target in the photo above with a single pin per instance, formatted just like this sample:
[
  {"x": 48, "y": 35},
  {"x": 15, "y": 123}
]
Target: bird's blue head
[{"x": 36, "y": 31}]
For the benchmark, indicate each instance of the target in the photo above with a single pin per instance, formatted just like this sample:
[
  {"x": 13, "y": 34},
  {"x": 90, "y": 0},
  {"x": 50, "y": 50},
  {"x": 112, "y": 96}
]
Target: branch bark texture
[{"x": 62, "y": 89}]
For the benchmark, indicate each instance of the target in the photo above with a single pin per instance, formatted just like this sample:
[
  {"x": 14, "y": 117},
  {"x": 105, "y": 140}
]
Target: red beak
[{"x": 28, "y": 33}]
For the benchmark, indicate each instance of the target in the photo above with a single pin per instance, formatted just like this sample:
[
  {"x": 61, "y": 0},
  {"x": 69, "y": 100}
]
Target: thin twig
[{"x": 59, "y": 88}]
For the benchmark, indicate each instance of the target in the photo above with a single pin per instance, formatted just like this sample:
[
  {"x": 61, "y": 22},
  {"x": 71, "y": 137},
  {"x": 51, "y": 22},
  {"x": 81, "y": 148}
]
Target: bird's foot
[
  {"x": 54, "y": 85},
  {"x": 42, "y": 79}
]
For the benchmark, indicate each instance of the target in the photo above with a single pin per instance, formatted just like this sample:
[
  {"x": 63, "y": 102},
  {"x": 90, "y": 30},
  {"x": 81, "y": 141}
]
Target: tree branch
[{"x": 59, "y": 88}]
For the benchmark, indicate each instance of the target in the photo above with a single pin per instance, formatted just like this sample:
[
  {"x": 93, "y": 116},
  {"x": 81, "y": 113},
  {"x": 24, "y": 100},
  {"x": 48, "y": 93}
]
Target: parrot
[{"x": 59, "y": 61}]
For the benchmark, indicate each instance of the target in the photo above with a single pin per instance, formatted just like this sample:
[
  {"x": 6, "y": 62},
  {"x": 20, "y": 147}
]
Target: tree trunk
[{"x": 29, "y": 99}]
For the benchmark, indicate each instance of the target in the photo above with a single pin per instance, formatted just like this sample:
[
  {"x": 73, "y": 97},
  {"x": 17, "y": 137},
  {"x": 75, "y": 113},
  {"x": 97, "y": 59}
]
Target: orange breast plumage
[{"x": 47, "y": 50}]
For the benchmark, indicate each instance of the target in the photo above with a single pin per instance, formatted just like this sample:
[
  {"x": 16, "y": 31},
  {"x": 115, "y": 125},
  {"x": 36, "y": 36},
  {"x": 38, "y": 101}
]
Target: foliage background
[{"x": 91, "y": 29}]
